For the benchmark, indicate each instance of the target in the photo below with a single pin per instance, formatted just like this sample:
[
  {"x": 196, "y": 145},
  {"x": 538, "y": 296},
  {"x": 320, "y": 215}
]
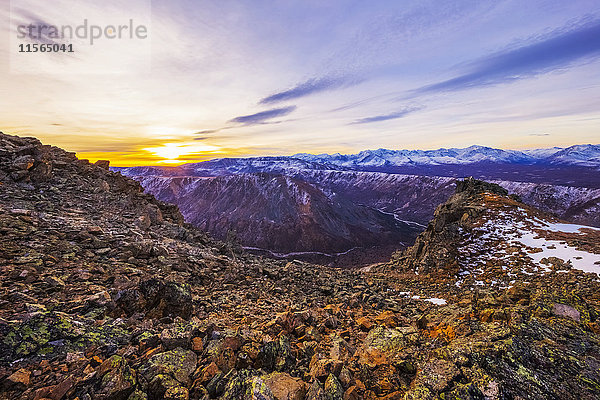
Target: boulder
[{"x": 285, "y": 387}]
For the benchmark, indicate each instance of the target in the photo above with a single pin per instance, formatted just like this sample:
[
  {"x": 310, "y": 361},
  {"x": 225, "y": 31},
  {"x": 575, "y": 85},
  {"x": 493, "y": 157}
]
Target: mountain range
[
  {"x": 358, "y": 209},
  {"x": 580, "y": 155}
]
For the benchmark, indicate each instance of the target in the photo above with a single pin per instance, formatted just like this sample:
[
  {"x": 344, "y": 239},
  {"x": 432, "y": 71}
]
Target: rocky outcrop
[{"x": 436, "y": 248}]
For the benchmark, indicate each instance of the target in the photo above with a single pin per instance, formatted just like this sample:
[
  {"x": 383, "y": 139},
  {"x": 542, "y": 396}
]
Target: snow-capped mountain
[
  {"x": 384, "y": 157},
  {"x": 233, "y": 166},
  {"x": 585, "y": 155},
  {"x": 542, "y": 153}
]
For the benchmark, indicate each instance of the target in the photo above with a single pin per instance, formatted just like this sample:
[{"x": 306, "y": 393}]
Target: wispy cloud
[
  {"x": 29, "y": 19},
  {"x": 386, "y": 117},
  {"x": 539, "y": 134},
  {"x": 309, "y": 87},
  {"x": 263, "y": 116},
  {"x": 207, "y": 132},
  {"x": 543, "y": 56}
]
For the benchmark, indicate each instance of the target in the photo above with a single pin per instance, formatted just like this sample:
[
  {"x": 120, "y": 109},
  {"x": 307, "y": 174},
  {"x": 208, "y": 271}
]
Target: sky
[{"x": 245, "y": 78}]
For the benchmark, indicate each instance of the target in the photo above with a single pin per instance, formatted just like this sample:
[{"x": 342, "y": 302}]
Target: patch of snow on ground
[
  {"x": 435, "y": 300},
  {"x": 567, "y": 228},
  {"x": 581, "y": 260}
]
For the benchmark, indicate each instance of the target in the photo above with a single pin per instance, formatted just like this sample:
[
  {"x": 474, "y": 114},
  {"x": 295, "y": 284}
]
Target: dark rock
[{"x": 104, "y": 164}]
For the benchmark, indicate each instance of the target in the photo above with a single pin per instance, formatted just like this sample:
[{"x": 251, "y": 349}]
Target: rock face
[
  {"x": 435, "y": 248},
  {"x": 106, "y": 294}
]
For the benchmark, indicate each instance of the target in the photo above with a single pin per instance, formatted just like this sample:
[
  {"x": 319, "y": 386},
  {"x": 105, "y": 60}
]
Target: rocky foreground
[{"x": 105, "y": 293}]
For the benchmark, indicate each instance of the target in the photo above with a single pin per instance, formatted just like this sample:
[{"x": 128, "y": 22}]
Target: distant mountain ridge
[
  {"x": 572, "y": 166},
  {"x": 581, "y": 155},
  {"x": 586, "y": 155}
]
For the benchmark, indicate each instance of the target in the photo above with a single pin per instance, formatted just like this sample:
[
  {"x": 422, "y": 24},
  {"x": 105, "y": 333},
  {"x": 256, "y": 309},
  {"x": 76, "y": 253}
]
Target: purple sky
[{"x": 280, "y": 77}]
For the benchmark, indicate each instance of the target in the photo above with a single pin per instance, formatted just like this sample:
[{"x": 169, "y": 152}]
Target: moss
[
  {"x": 26, "y": 338},
  {"x": 96, "y": 313},
  {"x": 26, "y": 348},
  {"x": 64, "y": 324},
  {"x": 45, "y": 350},
  {"x": 526, "y": 374},
  {"x": 10, "y": 339}
]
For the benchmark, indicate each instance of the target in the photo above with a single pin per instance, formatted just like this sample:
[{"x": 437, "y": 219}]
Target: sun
[{"x": 169, "y": 151}]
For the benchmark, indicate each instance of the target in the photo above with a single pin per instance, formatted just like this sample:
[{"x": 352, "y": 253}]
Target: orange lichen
[{"x": 442, "y": 331}]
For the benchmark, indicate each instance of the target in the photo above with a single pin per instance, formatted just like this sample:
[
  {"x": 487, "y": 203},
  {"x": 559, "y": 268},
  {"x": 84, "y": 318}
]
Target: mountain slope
[
  {"x": 278, "y": 213},
  {"x": 410, "y": 198},
  {"x": 480, "y": 227},
  {"x": 527, "y": 272}
]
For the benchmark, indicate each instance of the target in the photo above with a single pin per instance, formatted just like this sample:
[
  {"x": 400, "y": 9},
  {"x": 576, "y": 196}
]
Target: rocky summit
[{"x": 106, "y": 293}]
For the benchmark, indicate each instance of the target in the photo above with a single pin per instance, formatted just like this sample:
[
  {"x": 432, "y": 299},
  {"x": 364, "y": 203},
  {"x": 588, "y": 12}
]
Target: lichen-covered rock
[
  {"x": 19, "y": 379},
  {"x": 177, "y": 393},
  {"x": 117, "y": 384},
  {"x": 165, "y": 298},
  {"x": 276, "y": 355},
  {"x": 138, "y": 395},
  {"x": 166, "y": 370},
  {"x": 246, "y": 385},
  {"x": 333, "y": 388},
  {"x": 177, "y": 336},
  {"x": 437, "y": 376}
]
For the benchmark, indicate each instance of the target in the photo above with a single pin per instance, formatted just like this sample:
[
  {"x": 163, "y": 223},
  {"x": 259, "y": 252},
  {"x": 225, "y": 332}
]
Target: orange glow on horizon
[
  {"x": 172, "y": 154},
  {"x": 141, "y": 159},
  {"x": 169, "y": 154}
]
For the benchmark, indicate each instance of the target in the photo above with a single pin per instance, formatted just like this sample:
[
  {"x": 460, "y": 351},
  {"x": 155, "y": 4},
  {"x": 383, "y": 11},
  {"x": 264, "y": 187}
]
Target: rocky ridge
[{"x": 106, "y": 294}]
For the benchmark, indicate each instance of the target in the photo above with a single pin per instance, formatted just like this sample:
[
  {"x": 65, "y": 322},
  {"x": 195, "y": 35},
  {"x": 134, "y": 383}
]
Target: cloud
[
  {"x": 263, "y": 116},
  {"x": 42, "y": 31},
  {"x": 533, "y": 59},
  {"x": 386, "y": 117},
  {"x": 539, "y": 134},
  {"x": 309, "y": 87}
]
